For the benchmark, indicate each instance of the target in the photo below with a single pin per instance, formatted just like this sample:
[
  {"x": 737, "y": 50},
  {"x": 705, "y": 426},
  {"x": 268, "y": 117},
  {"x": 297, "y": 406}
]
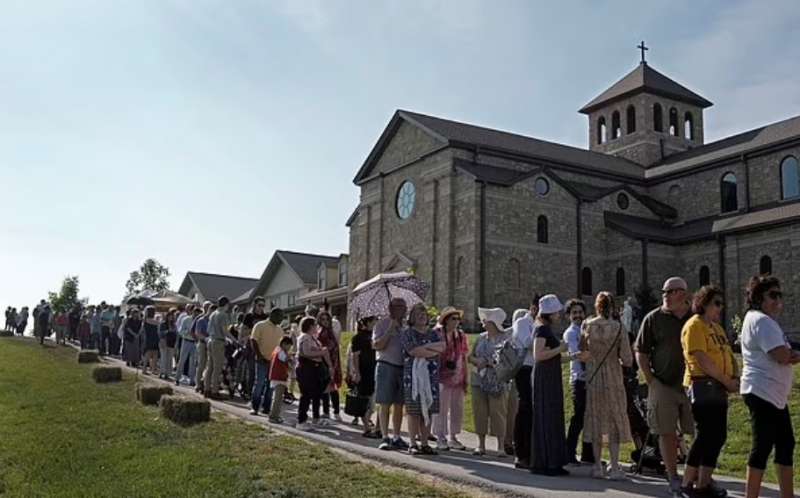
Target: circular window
[
  {"x": 622, "y": 200},
  {"x": 542, "y": 186},
  {"x": 406, "y": 196}
]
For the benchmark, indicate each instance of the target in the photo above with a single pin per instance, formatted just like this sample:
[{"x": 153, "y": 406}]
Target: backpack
[{"x": 508, "y": 359}]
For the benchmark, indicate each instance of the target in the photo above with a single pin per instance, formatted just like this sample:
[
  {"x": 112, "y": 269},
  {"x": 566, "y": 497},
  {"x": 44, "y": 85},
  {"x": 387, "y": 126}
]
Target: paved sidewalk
[{"x": 489, "y": 473}]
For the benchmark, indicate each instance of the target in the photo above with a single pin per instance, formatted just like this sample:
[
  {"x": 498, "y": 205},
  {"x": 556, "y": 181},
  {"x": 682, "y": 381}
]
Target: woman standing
[
  {"x": 328, "y": 339},
  {"x": 167, "y": 336},
  {"x": 548, "y": 453},
  {"x": 489, "y": 397},
  {"x": 132, "y": 327},
  {"x": 150, "y": 329},
  {"x": 766, "y": 385},
  {"x": 312, "y": 373},
  {"x": 421, "y": 349},
  {"x": 363, "y": 370},
  {"x": 710, "y": 375},
  {"x": 452, "y": 381},
  {"x": 605, "y": 345}
]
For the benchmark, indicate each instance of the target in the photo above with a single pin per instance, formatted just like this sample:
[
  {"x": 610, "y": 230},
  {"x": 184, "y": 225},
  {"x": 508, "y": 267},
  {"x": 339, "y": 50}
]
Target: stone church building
[{"x": 487, "y": 217}]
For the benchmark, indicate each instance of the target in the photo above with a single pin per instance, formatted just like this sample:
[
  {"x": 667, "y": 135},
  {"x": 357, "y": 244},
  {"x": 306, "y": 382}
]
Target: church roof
[
  {"x": 457, "y": 134},
  {"x": 658, "y": 231},
  {"x": 213, "y": 286},
  {"x": 645, "y": 79},
  {"x": 730, "y": 147}
]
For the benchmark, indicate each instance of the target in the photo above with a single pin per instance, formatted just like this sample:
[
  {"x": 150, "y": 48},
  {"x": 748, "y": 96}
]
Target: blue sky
[{"x": 207, "y": 134}]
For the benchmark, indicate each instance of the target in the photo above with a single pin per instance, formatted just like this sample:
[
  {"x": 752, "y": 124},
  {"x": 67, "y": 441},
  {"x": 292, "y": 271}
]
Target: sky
[{"x": 207, "y": 134}]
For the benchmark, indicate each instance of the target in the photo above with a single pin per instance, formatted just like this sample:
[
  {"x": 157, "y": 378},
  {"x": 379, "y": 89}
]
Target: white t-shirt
[
  {"x": 761, "y": 375},
  {"x": 522, "y": 335}
]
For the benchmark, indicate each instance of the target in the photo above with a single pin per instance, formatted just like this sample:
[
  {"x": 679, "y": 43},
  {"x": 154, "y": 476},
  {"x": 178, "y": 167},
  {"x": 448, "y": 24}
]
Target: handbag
[
  {"x": 355, "y": 405},
  {"x": 707, "y": 391}
]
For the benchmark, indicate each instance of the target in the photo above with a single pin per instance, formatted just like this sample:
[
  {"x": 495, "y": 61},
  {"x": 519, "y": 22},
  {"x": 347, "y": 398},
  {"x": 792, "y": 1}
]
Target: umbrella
[
  {"x": 371, "y": 298},
  {"x": 139, "y": 300},
  {"x": 170, "y": 298}
]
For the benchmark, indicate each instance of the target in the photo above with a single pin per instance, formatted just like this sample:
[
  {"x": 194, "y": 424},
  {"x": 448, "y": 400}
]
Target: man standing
[
  {"x": 266, "y": 336},
  {"x": 219, "y": 324},
  {"x": 389, "y": 374},
  {"x": 106, "y": 329},
  {"x": 522, "y": 335},
  {"x": 576, "y": 311},
  {"x": 94, "y": 329},
  {"x": 74, "y": 320},
  {"x": 199, "y": 329},
  {"x": 188, "y": 346},
  {"x": 43, "y": 323},
  {"x": 246, "y": 373},
  {"x": 660, "y": 358}
]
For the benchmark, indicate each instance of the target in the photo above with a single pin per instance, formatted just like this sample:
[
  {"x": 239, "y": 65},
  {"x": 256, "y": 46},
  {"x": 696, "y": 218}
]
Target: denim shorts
[{"x": 388, "y": 384}]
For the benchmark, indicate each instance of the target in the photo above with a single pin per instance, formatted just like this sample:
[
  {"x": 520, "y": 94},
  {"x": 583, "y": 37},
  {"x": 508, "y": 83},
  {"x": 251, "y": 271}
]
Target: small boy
[{"x": 279, "y": 367}]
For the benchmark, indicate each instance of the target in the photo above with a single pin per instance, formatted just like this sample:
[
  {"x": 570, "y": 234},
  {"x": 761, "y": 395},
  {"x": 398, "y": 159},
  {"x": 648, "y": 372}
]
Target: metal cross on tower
[{"x": 643, "y": 48}]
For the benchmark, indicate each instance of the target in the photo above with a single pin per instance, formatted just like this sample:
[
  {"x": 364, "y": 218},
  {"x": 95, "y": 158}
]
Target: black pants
[
  {"x": 524, "y": 418},
  {"x": 711, "y": 428},
  {"x": 328, "y": 399},
  {"x": 771, "y": 427},
  {"x": 576, "y": 424},
  {"x": 302, "y": 409},
  {"x": 105, "y": 339}
]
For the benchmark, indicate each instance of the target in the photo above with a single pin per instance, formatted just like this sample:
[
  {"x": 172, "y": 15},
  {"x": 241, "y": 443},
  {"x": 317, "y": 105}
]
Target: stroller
[{"x": 646, "y": 455}]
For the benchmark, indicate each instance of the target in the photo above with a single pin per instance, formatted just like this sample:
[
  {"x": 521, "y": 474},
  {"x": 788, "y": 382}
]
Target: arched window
[
  {"x": 601, "y": 130},
  {"x": 620, "y": 282},
  {"x": 658, "y": 118},
  {"x": 513, "y": 274},
  {"x": 616, "y": 130},
  {"x": 790, "y": 178},
  {"x": 727, "y": 190},
  {"x": 673, "y": 122},
  {"x": 541, "y": 230},
  {"x": 688, "y": 126},
  {"x": 586, "y": 281},
  {"x": 765, "y": 265},
  {"x": 705, "y": 275},
  {"x": 460, "y": 271},
  {"x": 631, "y": 119}
]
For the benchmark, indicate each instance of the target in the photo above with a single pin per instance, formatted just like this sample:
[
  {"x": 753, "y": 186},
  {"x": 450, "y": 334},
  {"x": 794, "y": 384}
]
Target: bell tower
[{"x": 645, "y": 116}]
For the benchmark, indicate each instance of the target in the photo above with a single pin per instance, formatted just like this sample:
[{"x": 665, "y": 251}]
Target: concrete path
[{"x": 494, "y": 475}]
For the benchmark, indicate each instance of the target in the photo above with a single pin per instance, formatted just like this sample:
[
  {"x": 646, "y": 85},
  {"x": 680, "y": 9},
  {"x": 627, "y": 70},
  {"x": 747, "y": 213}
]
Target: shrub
[{"x": 185, "y": 410}]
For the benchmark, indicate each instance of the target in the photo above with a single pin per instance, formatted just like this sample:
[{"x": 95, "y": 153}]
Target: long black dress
[{"x": 548, "y": 440}]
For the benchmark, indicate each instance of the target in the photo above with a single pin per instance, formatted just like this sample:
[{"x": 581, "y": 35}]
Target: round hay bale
[
  {"x": 150, "y": 394},
  {"x": 105, "y": 373},
  {"x": 6, "y": 333},
  {"x": 89, "y": 356},
  {"x": 185, "y": 410}
]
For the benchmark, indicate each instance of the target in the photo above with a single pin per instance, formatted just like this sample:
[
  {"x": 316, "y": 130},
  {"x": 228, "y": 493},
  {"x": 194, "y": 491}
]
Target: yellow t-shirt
[
  {"x": 267, "y": 335},
  {"x": 697, "y": 335}
]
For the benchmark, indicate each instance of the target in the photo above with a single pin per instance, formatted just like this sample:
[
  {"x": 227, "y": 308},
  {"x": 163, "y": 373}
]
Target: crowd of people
[{"x": 410, "y": 364}]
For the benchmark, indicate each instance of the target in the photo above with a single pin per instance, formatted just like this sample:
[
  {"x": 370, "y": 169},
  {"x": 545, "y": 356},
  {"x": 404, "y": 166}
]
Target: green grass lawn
[
  {"x": 733, "y": 460},
  {"x": 63, "y": 435}
]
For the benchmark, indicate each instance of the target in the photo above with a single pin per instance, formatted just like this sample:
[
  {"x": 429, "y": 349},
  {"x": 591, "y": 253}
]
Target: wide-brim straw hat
[{"x": 449, "y": 310}]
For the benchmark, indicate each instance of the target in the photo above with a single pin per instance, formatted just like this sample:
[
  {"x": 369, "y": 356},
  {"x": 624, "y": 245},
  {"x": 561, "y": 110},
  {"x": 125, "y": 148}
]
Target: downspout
[
  {"x": 482, "y": 270},
  {"x": 435, "y": 239},
  {"x": 746, "y": 184},
  {"x": 579, "y": 248}
]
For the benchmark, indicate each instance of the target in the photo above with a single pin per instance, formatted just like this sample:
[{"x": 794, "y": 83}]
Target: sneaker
[
  {"x": 321, "y": 422},
  {"x": 716, "y": 490},
  {"x": 278, "y": 420},
  {"x": 386, "y": 444},
  {"x": 455, "y": 444},
  {"x": 441, "y": 445},
  {"x": 253, "y": 412},
  {"x": 355, "y": 422},
  {"x": 305, "y": 426},
  {"x": 676, "y": 488},
  {"x": 325, "y": 416},
  {"x": 710, "y": 491},
  {"x": 398, "y": 443},
  {"x": 616, "y": 475}
]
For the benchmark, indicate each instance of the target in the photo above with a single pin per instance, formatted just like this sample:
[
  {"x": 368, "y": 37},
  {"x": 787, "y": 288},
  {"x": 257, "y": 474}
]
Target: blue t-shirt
[{"x": 201, "y": 326}]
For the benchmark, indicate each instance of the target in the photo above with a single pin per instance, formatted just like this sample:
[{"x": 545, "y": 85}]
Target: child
[{"x": 280, "y": 365}]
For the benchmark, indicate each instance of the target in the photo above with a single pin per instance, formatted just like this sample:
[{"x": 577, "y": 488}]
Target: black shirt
[
  {"x": 362, "y": 344},
  {"x": 252, "y": 318}
]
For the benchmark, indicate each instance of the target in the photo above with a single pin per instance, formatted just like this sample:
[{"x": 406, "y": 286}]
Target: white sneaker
[
  {"x": 305, "y": 426},
  {"x": 441, "y": 445},
  {"x": 456, "y": 444}
]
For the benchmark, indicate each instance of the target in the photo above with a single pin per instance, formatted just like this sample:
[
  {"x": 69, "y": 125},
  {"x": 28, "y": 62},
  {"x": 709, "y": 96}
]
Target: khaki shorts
[{"x": 668, "y": 410}]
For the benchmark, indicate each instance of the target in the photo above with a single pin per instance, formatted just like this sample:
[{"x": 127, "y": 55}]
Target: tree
[
  {"x": 151, "y": 276},
  {"x": 66, "y": 298}
]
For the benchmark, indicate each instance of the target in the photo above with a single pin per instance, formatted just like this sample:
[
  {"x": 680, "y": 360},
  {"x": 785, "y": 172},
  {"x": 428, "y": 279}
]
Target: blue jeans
[{"x": 261, "y": 389}]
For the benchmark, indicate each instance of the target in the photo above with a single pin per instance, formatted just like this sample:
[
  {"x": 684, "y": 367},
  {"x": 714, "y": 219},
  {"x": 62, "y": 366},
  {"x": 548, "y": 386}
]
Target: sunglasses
[
  {"x": 775, "y": 295},
  {"x": 454, "y": 319}
]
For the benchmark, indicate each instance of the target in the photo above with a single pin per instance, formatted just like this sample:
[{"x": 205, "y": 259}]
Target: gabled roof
[
  {"x": 304, "y": 265},
  {"x": 457, "y": 134},
  {"x": 730, "y": 147},
  {"x": 645, "y": 79},
  {"x": 505, "y": 177},
  {"x": 213, "y": 286},
  {"x": 657, "y": 231}
]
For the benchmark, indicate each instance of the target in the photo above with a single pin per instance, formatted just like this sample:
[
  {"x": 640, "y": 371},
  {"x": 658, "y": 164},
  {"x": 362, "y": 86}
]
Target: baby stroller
[{"x": 646, "y": 456}]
